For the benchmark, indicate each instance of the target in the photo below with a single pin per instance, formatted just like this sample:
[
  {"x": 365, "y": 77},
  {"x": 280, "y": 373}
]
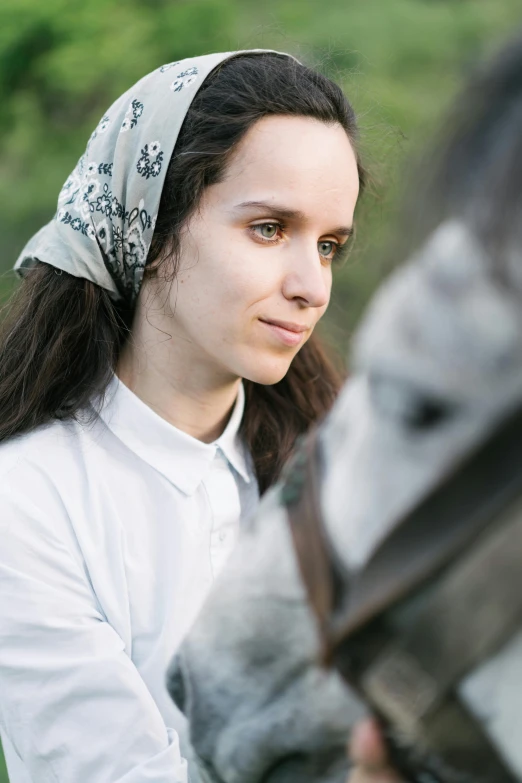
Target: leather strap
[
  {"x": 300, "y": 494},
  {"x": 470, "y": 612},
  {"x": 412, "y": 675},
  {"x": 465, "y": 501}
]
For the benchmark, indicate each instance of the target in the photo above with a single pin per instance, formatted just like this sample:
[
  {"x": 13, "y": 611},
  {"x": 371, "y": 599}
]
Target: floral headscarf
[{"x": 107, "y": 208}]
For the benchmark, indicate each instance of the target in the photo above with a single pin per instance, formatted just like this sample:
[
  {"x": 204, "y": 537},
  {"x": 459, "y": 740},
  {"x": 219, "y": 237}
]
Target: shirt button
[{"x": 222, "y": 536}]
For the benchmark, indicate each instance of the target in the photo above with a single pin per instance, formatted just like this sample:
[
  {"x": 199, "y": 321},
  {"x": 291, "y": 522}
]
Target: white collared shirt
[{"x": 111, "y": 534}]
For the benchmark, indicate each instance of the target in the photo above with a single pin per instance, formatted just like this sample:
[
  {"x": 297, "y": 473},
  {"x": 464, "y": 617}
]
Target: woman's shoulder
[
  {"x": 46, "y": 475},
  {"x": 51, "y": 449},
  {"x": 42, "y": 490}
]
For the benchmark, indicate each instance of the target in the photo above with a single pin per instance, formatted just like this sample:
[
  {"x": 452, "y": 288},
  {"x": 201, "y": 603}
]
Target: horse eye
[
  {"x": 408, "y": 405},
  {"x": 429, "y": 413}
]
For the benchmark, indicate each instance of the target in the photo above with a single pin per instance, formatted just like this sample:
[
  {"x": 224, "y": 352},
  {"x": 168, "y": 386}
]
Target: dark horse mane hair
[{"x": 473, "y": 170}]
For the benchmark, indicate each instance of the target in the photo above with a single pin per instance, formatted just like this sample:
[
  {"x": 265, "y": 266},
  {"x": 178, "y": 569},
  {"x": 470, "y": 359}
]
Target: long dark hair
[{"x": 62, "y": 336}]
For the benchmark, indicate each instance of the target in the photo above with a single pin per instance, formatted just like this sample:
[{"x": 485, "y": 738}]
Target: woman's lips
[{"x": 289, "y": 333}]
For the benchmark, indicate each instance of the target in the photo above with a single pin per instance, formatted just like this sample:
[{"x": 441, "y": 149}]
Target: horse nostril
[{"x": 175, "y": 683}]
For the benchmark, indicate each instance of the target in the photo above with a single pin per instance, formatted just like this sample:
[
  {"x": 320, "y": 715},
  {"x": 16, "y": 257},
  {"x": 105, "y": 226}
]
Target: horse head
[{"x": 437, "y": 366}]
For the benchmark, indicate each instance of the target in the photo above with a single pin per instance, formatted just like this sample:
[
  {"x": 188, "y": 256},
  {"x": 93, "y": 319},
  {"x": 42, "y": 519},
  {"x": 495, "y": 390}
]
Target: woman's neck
[{"x": 185, "y": 393}]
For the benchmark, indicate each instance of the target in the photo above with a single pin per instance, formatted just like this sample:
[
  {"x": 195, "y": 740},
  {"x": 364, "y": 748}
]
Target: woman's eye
[
  {"x": 267, "y": 230},
  {"x": 328, "y": 249}
]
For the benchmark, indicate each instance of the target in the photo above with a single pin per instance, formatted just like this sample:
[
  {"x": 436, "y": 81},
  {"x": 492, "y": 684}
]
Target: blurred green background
[{"x": 62, "y": 62}]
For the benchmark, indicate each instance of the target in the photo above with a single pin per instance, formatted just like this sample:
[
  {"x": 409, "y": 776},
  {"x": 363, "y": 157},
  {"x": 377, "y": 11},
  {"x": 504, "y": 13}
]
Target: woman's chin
[{"x": 268, "y": 374}]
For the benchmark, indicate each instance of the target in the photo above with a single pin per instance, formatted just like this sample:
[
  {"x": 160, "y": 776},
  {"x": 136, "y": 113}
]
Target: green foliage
[
  {"x": 62, "y": 62},
  {"x": 3, "y": 771}
]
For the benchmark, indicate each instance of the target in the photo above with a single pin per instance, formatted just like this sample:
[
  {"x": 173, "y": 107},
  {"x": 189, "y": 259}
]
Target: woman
[
  {"x": 156, "y": 367},
  {"x": 474, "y": 175}
]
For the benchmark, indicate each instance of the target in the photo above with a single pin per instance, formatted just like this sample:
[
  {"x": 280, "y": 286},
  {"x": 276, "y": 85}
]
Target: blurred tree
[{"x": 62, "y": 62}]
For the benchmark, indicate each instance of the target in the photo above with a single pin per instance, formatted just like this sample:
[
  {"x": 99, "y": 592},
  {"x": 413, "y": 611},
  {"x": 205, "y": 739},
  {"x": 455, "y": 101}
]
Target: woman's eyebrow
[
  {"x": 344, "y": 231},
  {"x": 274, "y": 209},
  {"x": 289, "y": 214}
]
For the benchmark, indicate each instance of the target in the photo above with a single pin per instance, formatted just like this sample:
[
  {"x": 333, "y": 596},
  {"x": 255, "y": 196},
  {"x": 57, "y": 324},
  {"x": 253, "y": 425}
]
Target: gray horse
[
  {"x": 443, "y": 333},
  {"x": 437, "y": 368}
]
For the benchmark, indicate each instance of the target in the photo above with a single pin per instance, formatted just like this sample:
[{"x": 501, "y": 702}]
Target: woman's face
[{"x": 256, "y": 258}]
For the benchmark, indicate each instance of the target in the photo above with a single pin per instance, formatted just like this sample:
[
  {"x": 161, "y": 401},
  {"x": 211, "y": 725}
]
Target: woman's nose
[{"x": 308, "y": 278}]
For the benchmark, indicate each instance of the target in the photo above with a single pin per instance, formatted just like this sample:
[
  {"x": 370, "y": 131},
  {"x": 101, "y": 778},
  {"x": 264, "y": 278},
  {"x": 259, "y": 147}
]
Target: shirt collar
[
  {"x": 230, "y": 442},
  {"x": 181, "y": 458}
]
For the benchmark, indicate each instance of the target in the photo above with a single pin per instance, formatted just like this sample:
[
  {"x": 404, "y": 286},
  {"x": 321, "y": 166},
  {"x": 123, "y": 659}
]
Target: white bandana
[{"x": 107, "y": 208}]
